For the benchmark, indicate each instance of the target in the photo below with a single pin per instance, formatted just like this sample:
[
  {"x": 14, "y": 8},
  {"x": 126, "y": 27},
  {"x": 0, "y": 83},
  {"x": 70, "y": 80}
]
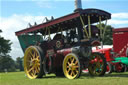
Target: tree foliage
[
  {"x": 5, "y": 46},
  {"x": 107, "y": 38},
  {"x": 19, "y": 63},
  {"x": 6, "y": 62}
]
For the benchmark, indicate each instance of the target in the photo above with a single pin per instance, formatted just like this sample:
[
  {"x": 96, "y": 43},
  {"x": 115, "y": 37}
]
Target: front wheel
[
  {"x": 33, "y": 62},
  {"x": 97, "y": 64},
  {"x": 71, "y": 66}
]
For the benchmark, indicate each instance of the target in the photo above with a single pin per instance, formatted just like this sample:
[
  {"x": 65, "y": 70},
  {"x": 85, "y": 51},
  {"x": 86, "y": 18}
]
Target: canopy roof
[{"x": 67, "y": 22}]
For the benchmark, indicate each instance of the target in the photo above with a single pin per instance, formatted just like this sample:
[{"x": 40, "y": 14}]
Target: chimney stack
[{"x": 78, "y": 5}]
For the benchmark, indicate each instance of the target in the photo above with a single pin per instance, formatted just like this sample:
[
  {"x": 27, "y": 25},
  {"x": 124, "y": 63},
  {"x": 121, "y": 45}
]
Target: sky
[{"x": 16, "y": 14}]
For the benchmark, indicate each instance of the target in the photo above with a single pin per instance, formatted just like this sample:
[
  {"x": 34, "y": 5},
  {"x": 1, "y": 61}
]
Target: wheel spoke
[
  {"x": 30, "y": 65},
  {"x": 68, "y": 70},
  {"x": 76, "y": 62},
  {"x": 69, "y": 63},
  {"x": 37, "y": 71},
  {"x": 34, "y": 55},
  {"x": 31, "y": 54},
  {"x": 37, "y": 60},
  {"x": 38, "y": 68},
  {"x": 37, "y": 57},
  {"x": 72, "y": 60},
  {"x": 76, "y": 71},
  {"x": 30, "y": 69},
  {"x": 73, "y": 73},
  {"x": 98, "y": 65},
  {"x": 97, "y": 68},
  {"x": 75, "y": 67},
  {"x": 38, "y": 64}
]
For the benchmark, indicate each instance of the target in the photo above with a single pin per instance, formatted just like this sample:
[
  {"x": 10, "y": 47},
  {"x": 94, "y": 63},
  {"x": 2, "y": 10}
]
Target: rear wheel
[
  {"x": 97, "y": 65},
  {"x": 33, "y": 62},
  {"x": 71, "y": 66},
  {"x": 120, "y": 67}
]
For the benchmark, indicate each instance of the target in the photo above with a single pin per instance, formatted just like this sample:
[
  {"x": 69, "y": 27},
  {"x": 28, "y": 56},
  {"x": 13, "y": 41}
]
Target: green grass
[{"x": 19, "y": 78}]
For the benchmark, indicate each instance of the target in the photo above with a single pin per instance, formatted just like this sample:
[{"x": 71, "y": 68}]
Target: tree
[
  {"x": 5, "y": 46},
  {"x": 19, "y": 63},
  {"x": 6, "y": 62},
  {"x": 107, "y": 39}
]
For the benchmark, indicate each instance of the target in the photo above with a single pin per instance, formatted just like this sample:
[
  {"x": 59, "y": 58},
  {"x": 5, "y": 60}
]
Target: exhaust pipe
[{"x": 78, "y": 6}]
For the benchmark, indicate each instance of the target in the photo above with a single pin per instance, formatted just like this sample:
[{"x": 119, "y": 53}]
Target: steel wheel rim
[
  {"x": 32, "y": 62},
  {"x": 71, "y": 66},
  {"x": 97, "y": 67}
]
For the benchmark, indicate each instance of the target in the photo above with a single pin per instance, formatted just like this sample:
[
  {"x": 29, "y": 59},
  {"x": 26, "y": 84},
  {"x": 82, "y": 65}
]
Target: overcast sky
[{"x": 16, "y": 14}]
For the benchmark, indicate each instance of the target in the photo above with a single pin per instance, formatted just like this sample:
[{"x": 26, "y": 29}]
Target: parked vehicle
[
  {"x": 69, "y": 51},
  {"x": 117, "y": 57},
  {"x": 63, "y": 46}
]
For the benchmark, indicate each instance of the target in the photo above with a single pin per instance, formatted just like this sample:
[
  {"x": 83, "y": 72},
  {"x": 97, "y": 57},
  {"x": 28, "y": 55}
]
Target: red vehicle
[
  {"x": 120, "y": 49},
  {"x": 120, "y": 41},
  {"x": 69, "y": 51}
]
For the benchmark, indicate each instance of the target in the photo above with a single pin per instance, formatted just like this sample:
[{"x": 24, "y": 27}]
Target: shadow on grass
[
  {"x": 50, "y": 76},
  {"x": 106, "y": 75},
  {"x": 88, "y": 76},
  {"x": 54, "y": 77},
  {"x": 117, "y": 75}
]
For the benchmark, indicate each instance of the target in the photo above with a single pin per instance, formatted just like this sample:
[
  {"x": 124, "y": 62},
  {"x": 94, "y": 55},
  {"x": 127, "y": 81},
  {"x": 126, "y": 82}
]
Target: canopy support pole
[
  {"x": 101, "y": 35},
  {"x": 104, "y": 29},
  {"x": 84, "y": 26},
  {"x": 49, "y": 33},
  {"x": 45, "y": 33},
  {"x": 89, "y": 26},
  {"x": 100, "y": 26}
]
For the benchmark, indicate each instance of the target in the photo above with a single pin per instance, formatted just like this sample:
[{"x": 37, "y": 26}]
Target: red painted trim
[
  {"x": 40, "y": 26},
  {"x": 65, "y": 51},
  {"x": 125, "y": 29}
]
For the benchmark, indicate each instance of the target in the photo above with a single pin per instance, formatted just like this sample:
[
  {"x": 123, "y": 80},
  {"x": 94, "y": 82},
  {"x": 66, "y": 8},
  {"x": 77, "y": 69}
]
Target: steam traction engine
[{"x": 63, "y": 45}]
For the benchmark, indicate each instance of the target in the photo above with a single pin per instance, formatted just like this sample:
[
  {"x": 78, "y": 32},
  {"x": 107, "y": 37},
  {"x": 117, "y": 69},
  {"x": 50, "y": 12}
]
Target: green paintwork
[
  {"x": 27, "y": 40},
  {"x": 123, "y": 60}
]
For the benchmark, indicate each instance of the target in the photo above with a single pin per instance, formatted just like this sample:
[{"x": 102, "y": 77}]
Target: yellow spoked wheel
[
  {"x": 32, "y": 62},
  {"x": 97, "y": 64},
  {"x": 71, "y": 66}
]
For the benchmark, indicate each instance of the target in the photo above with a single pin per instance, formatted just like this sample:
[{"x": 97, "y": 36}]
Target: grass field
[{"x": 19, "y": 78}]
